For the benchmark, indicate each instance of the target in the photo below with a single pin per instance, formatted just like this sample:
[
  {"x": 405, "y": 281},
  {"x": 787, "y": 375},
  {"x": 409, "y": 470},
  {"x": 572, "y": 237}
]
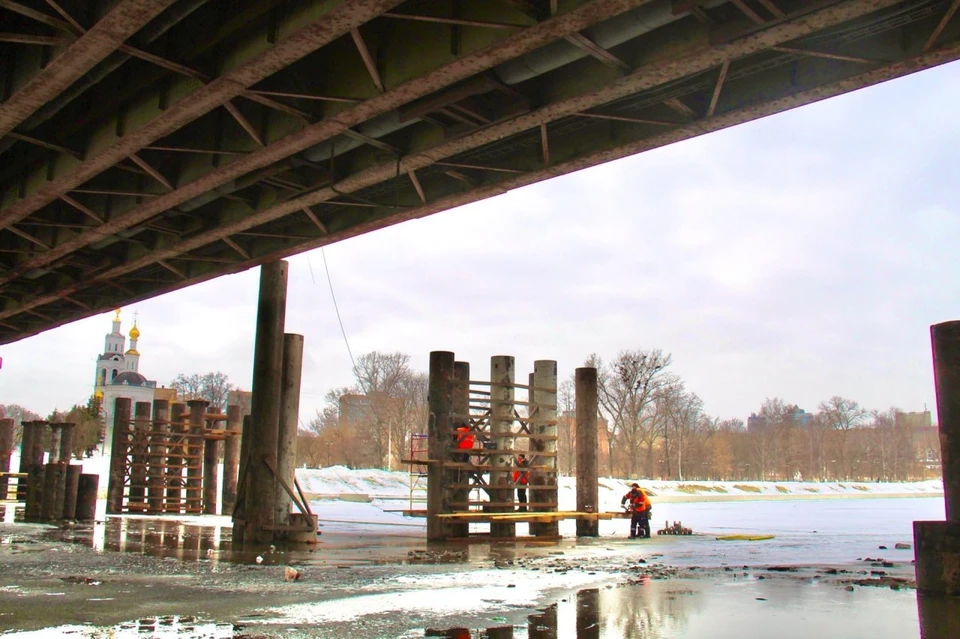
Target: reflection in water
[{"x": 170, "y": 626}]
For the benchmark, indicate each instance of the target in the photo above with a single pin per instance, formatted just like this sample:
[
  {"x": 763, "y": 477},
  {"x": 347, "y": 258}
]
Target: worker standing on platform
[
  {"x": 464, "y": 441},
  {"x": 521, "y": 478},
  {"x": 640, "y": 508}
]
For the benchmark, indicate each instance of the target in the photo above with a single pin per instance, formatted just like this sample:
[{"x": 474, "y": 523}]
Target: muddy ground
[{"x": 192, "y": 584}]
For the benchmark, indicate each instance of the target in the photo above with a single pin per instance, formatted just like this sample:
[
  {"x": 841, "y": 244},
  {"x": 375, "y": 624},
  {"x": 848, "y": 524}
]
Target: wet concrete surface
[{"x": 140, "y": 576}]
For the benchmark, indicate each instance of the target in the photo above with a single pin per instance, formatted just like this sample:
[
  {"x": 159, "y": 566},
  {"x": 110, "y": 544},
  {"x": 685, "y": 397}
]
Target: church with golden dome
[{"x": 118, "y": 371}]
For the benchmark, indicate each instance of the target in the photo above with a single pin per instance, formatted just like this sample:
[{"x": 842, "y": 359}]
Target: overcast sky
[{"x": 801, "y": 256}]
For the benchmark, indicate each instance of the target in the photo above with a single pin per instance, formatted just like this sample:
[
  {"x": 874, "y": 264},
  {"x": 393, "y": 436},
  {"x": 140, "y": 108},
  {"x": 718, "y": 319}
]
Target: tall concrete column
[
  {"x": 937, "y": 543},
  {"x": 198, "y": 411},
  {"x": 68, "y": 432},
  {"x": 118, "y": 454},
  {"x": 544, "y": 393},
  {"x": 289, "y": 420},
  {"x": 440, "y": 440},
  {"x": 502, "y": 371},
  {"x": 156, "y": 470},
  {"x": 461, "y": 409},
  {"x": 587, "y": 441},
  {"x": 260, "y": 499},
  {"x": 176, "y": 452},
  {"x": 26, "y": 447},
  {"x": 231, "y": 459},
  {"x": 53, "y": 443},
  {"x": 211, "y": 464},
  {"x": 6, "y": 451},
  {"x": 138, "y": 456}
]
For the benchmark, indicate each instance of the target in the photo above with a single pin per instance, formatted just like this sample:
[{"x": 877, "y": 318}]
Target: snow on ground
[{"x": 340, "y": 482}]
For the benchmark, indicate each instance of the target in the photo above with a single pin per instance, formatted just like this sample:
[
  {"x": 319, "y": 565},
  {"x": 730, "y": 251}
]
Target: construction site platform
[{"x": 517, "y": 516}]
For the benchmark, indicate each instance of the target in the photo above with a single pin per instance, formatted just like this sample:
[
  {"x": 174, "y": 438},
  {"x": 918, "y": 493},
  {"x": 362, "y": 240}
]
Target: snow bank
[{"x": 340, "y": 482}]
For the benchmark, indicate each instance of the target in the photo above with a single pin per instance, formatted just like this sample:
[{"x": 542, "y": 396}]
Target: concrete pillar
[
  {"x": 939, "y": 617},
  {"x": 502, "y": 371},
  {"x": 211, "y": 486},
  {"x": 156, "y": 469},
  {"x": 937, "y": 543},
  {"x": 6, "y": 451},
  {"x": 588, "y": 614},
  {"x": 138, "y": 457},
  {"x": 946, "y": 373},
  {"x": 544, "y": 393},
  {"x": 54, "y": 477},
  {"x": 176, "y": 451},
  {"x": 26, "y": 445},
  {"x": 53, "y": 443},
  {"x": 198, "y": 411},
  {"x": 258, "y": 512},
  {"x": 70, "y": 491},
  {"x": 460, "y": 395},
  {"x": 587, "y": 441},
  {"x": 440, "y": 440},
  {"x": 87, "y": 497},
  {"x": 231, "y": 459},
  {"x": 68, "y": 432},
  {"x": 289, "y": 425},
  {"x": 118, "y": 454},
  {"x": 34, "y": 496}
]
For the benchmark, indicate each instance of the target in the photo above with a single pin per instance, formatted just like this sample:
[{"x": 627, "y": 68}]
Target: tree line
[{"x": 651, "y": 424}]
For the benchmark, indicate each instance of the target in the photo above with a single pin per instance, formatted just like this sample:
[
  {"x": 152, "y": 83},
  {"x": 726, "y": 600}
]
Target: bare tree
[
  {"x": 627, "y": 388},
  {"x": 213, "y": 387},
  {"x": 18, "y": 414},
  {"x": 843, "y": 415},
  {"x": 682, "y": 412},
  {"x": 566, "y": 426}
]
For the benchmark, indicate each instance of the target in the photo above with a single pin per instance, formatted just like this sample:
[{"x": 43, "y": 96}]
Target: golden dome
[
  {"x": 134, "y": 332},
  {"x": 98, "y": 394},
  {"x": 132, "y": 351}
]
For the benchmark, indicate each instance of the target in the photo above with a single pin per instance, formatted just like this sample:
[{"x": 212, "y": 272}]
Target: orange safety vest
[
  {"x": 639, "y": 501},
  {"x": 521, "y": 477},
  {"x": 464, "y": 438}
]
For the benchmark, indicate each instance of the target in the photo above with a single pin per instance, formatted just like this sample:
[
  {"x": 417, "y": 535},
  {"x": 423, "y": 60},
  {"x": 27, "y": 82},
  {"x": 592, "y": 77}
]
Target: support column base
[{"x": 937, "y": 551}]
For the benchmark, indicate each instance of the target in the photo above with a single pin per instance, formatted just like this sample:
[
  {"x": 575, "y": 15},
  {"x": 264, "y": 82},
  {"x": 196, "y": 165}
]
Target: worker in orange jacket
[
  {"x": 639, "y": 506},
  {"x": 465, "y": 441},
  {"x": 521, "y": 478}
]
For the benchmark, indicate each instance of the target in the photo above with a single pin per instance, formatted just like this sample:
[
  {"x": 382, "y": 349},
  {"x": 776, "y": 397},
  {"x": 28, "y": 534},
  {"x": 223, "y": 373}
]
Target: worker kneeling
[{"x": 638, "y": 505}]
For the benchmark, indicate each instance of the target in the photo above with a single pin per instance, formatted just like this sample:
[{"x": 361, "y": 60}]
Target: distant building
[
  {"x": 118, "y": 375},
  {"x": 796, "y": 416}
]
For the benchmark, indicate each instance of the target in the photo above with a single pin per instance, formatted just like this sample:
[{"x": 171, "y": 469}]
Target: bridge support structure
[
  {"x": 266, "y": 483},
  {"x": 937, "y": 543},
  {"x": 478, "y": 484}
]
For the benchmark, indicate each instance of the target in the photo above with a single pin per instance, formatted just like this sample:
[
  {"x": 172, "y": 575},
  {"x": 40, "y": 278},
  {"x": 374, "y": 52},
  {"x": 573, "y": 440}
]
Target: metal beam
[
  {"x": 747, "y": 11},
  {"x": 701, "y": 57},
  {"x": 243, "y": 122},
  {"x": 316, "y": 221},
  {"x": 27, "y": 237},
  {"x": 45, "y": 145},
  {"x": 105, "y": 37},
  {"x": 941, "y": 25},
  {"x": 152, "y": 172},
  {"x": 624, "y": 118},
  {"x": 417, "y": 186},
  {"x": 733, "y": 117},
  {"x": 316, "y": 25},
  {"x": 509, "y": 47},
  {"x": 455, "y": 21},
  {"x": 718, "y": 87},
  {"x": 367, "y": 57},
  {"x": 26, "y": 38},
  {"x": 544, "y": 144},
  {"x": 828, "y": 56},
  {"x": 583, "y": 42}
]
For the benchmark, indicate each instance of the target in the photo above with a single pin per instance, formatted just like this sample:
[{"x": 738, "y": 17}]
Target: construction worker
[
  {"x": 639, "y": 507},
  {"x": 464, "y": 441},
  {"x": 521, "y": 478}
]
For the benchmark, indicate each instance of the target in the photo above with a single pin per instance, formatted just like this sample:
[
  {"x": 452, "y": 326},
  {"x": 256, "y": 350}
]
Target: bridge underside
[{"x": 146, "y": 145}]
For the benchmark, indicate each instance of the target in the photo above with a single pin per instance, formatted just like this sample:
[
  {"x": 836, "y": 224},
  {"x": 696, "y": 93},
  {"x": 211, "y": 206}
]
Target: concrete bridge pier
[
  {"x": 6, "y": 451},
  {"x": 937, "y": 543},
  {"x": 255, "y": 515},
  {"x": 440, "y": 440},
  {"x": 588, "y": 491}
]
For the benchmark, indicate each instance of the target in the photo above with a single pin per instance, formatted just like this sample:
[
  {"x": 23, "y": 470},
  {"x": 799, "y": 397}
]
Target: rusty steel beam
[
  {"x": 325, "y": 29},
  {"x": 701, "y": 58},
  {"x": 718, "y": 87},
  {"x": 102, "y": 39},
  {"x": 583, "y": 42},
  {"x": 511, "y": 46},
  {"x": 367, "y": 57},
  {"x": 417, "y": 186},
  {"x": 941, "y": 25},
  {"x": 316, "y": 221},
  {"x": 24, "y": 38},
  {"x": 828, "y": 56},
  {"x": 624, "y": 118},
  {"x": 941, "y": 55},
  {"x": 747, "y": 11}
]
